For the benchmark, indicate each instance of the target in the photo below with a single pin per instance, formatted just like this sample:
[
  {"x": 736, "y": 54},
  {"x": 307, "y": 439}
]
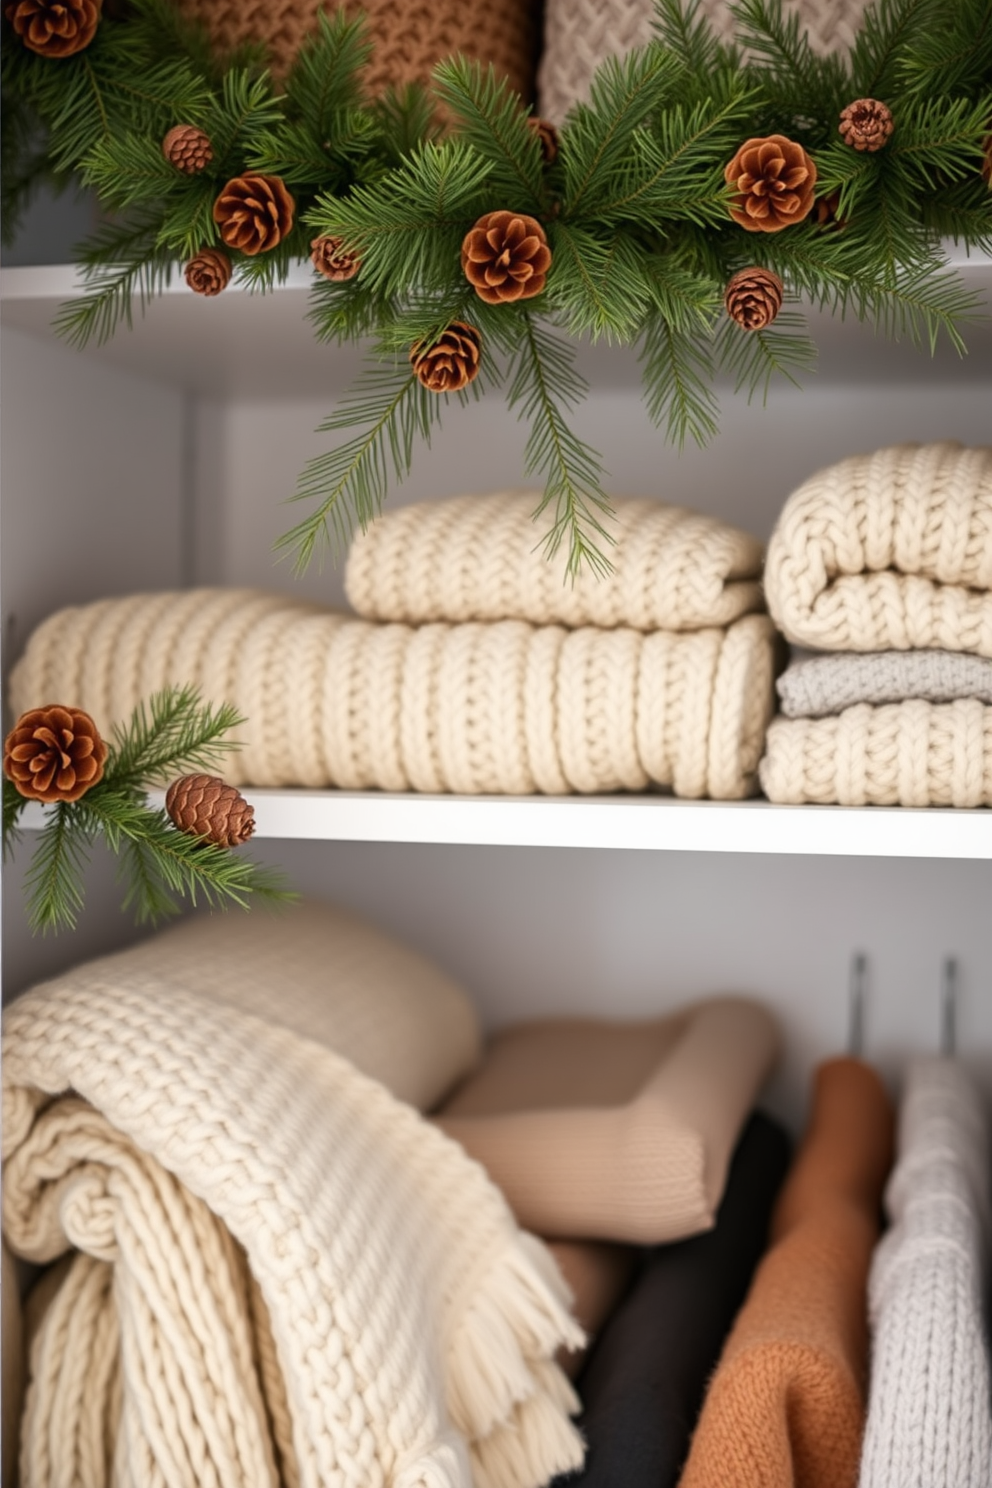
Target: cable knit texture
[
  {"x": 888, "y": 551},
  {"x": 387, "y": 1323},
  {"x": 580, "y": 34},
  {"x": 785, "y": 1408},
  {"x": 823, "y": 685},
  {"x": 929, "y": 1416},
  {"x": 482, "y": 558},
  {"x": 900, "y": 754},
  {"x": 507, "y": 708}
]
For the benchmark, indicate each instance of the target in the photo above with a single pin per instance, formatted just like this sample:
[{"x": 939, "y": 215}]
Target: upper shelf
[{"x": 262, "y": 345}]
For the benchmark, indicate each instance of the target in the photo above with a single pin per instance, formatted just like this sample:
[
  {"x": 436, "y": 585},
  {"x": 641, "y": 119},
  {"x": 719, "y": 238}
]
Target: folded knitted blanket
[
  {"x": 504, "y": 709},
  {"x": 282, "y": 1274},
  {"x": 822, "y": 685},
  {"x": 785, "y": 1408},
  {"x": 888, "y": 551},
  {"x": 481, "y": 558},
  {"x": 929, "y": 1413},
  {"x": 899, "y": 754}
]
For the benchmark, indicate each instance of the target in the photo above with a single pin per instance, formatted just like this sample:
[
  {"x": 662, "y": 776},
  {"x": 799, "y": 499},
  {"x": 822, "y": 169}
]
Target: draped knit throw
[
  {"x": 505, "y": 708},
  {"x": 281, "y": 1276}
]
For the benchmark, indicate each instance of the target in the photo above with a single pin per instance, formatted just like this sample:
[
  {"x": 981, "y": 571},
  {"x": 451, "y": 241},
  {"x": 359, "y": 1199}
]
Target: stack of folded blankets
[
  {"x": 884, "y": 562},
  {"x": 477, "y": 667}
]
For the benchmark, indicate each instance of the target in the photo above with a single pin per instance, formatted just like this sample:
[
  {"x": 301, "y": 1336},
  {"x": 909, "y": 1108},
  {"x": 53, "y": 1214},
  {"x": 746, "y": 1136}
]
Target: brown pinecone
[
  {"x": 774, "y": 180},
  {"x": 254, "y": 213},
  {"x": 825, "y": 212},
  {"x": 54, "y": 754},
  {"x": 187, "y": 148},
  {"x": 208, "y": 272},
  {"x": 55, "y": 28},
  {"x": 330, "y": 258},
  {"x": 505, "y": 256},
  {"x": 547, "y": 137},
  {"x": 866, "y": 124},
  {"x": 452, "y": 362},
  {"x": 205, "y": 806},
  {"x": 753, "y": 298}
]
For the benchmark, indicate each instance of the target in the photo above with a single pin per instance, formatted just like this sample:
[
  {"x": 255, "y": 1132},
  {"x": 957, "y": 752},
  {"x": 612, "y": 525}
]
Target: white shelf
[{"x": 632, "y": 823}]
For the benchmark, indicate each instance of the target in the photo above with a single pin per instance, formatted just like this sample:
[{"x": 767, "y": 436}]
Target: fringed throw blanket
[{"x": 280, "y": 1275}]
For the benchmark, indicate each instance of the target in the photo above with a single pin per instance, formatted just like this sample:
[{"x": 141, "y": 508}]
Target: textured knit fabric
[
  {"x": 888, "y": 551},
  {"x": 283, "y": 1275},
  {"x": 580, "y": 34},
  {"x": 899, "y": 754},
  {"x": 613, "y": 1131},
  {"x": 643, "y": 1385},
  {"x": 501, "y": 709},
  {"x": 597, "y": 1274},
  {"x": 785, "y": 1408},
  {"x": 481, "y": 558},
  {"x": 823, "y": 685},
  {"x": 929, "y": 1412}
]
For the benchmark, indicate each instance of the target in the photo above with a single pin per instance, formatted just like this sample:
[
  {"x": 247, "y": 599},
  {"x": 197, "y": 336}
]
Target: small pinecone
[
  {"x": 452, "y": 362},
  {"x": 55, "y": 28},
  {"x": 753, "y": 298},
  {"x": 254, "y": 213},
  {"x": 774, "y": 180},
  {"x": 547, "y": 138},
  {"x": 187, "y": 148},
  {"x": 505, "y": 256},
  {"x": 208, "y": 272},
  {"x": 866, "y": 124},
  {"x": 330, "y": 258},
  {"x": 54, "y": 754},
  {"x": 825, "y": 212},
  {"x": 205, "y": 807}
]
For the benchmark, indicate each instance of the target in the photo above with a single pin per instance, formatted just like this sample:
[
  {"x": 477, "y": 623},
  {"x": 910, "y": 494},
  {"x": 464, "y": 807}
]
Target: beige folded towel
[
  {"x": 888, "y": 551},
  {"x": 822, "y": 685},
  {"x": 901, "y": 754},
  {"x": 507, "y": 708}
]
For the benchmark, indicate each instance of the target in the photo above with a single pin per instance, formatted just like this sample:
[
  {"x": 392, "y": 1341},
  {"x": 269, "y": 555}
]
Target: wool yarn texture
[
  {"x": 823, "y": 685},
  {"x": 900, "y": 754},
  {"x": 786, "y": 1405},
  {"x": 507, "y": 708},
  {"x": 616, "y": 1131},
  {"x": 280, "y": 1274},
  {"x": 929, "y": 1412},
  {"x": 580, "y": 34},
  {"x": 482, "y": 558},
  {"x": 888, "y": 551}
]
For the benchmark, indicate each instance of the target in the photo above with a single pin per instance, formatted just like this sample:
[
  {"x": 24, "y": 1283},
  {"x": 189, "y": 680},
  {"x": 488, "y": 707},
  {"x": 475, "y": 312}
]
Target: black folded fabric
[{"x": 643, "y": 1384}]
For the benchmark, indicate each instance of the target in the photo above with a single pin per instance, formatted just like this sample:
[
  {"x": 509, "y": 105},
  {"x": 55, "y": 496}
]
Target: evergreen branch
[
  {"x": 54, "y": 881},
  {"x": 407, "y": 120},
  {"x": 13, "y": 807},
  {"x": 126, "y": 263},
  {"x": 688, "y": 36},
  {"x": 755, "y": 358},
  {"x": 678, "y": 383},
  {"x": 494, "y": 123},
  {"x": 598, "y": 285},
  {"x": 325, "y": 81},
  {"x": 919, "y": 304},
  {"x": 173, "y": 734}
]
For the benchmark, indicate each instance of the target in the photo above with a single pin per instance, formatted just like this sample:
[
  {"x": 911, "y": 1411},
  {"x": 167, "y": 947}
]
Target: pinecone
[
  {"x": 330, "y": 258},
  {"x": 187, "y": 148},
  {"x": 866, "y": 124},
  {"x": 208, "y": 272},
  {"x": 753, "y": 298},
  {"x": 825, "y": 212},
  {"x": 452, "y": 362},
  {"x": 205, "y": 806},
  {"x": 505, "y": 256},
  {"x": 54, "y": 754},
  {"x": 254, "y": 213},
  {"x": 774, "y": 180},
  {"x": 547, "y": 137},
  {"x": 55, "y": 28}
]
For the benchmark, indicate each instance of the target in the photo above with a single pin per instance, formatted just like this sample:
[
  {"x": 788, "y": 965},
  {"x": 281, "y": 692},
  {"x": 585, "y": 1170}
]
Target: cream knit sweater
[{"x": 507, "y": 708}]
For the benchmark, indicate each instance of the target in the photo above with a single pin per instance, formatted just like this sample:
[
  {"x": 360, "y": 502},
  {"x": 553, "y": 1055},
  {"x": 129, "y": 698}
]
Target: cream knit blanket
[
  {"x": 901, "y": 754},
  {"x": 283, "y": 1275},
  {"x": 888, "y": 551},
  {"x": 507, "y": 708},
  {"x": 482, "y": 558}
]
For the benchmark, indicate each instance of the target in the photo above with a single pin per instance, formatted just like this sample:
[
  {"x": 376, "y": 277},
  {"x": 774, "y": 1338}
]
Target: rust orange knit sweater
[{"x": 786, "y": 1406}]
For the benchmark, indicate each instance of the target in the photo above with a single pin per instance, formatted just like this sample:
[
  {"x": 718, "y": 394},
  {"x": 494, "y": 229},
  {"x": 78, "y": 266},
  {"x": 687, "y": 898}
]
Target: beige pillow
[{"x": 616, "y": 1131}]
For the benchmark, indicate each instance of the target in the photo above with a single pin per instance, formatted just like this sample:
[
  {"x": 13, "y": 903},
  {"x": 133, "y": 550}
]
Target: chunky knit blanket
[
  {"x": 929, "y": 1412},
  {"x": 822, "y": 685},
  {"x": 901, "y": 754},
  {"x": 281, "y": 1274},
  {"x": 890, "y": 551},
  {"x": 507, "y": 708},
  {"x": 481, "y": 558}
]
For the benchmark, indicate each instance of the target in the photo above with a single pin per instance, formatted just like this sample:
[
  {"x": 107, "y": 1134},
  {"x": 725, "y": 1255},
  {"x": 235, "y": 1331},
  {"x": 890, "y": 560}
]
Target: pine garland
[{"x": 634, "y": 204}]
